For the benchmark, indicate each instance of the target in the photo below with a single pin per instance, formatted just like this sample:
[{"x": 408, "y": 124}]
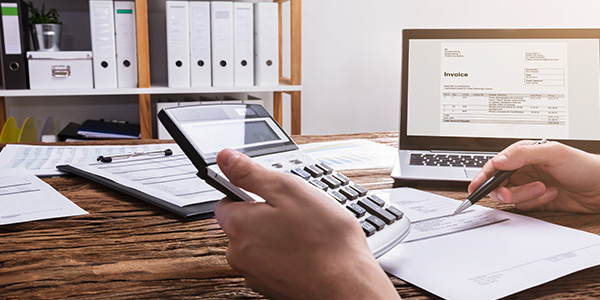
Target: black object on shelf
[
  {"x": 70, "y": 132},
  {"x": 100, "y": 129}
]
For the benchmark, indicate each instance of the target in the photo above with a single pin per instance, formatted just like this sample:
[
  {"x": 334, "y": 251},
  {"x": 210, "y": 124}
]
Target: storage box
[{"x": 61, "y": 69}]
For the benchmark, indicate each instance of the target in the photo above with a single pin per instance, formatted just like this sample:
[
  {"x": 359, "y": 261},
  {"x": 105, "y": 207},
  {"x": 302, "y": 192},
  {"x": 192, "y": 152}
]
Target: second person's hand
[{"x": 552, "y": 177}]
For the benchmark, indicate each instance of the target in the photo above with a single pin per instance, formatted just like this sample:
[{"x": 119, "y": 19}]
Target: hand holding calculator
[{"x": 202, "y": 131}]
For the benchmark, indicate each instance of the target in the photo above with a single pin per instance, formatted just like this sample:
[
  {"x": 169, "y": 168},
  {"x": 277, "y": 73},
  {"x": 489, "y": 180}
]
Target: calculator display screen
[{"x": 246, "y": 128}]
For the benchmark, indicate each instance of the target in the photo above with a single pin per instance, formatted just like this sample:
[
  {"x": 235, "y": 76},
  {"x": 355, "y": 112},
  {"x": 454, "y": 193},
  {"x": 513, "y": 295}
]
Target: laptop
[{"x": 469, "y": 93}]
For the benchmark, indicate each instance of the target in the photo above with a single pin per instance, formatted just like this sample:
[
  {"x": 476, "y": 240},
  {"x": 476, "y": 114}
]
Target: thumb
[{"x": 248, "y": 175}]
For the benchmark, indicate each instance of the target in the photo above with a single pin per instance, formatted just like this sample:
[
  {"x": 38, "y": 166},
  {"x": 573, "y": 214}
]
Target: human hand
[
  {"x": 552, "y": 177},
  {"x": 299, "y": 244}
]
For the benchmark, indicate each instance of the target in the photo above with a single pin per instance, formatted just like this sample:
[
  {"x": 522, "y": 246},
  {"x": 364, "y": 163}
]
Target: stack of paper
[
  {"x": 481, "y": 253},
  {"x": 24, "y": 197}
]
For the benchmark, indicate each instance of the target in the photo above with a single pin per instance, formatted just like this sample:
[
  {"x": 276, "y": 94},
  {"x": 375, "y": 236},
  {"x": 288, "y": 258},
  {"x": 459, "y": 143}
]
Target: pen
[
  {"x": 109, "y": 158},
  {"x": 488, "y": 186}
]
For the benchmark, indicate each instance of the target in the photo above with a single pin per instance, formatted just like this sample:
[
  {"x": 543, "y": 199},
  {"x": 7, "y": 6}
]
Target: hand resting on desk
[
  {"x": 552, "y": 177},
  {"x": 299, "y": 244}
]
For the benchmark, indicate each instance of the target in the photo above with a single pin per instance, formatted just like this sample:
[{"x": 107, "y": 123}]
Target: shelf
[
  {"x": 291, "y": 85},
  {"x": 155, "y": 90}
]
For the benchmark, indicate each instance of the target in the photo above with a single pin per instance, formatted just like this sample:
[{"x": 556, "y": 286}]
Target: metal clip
[{"x": 61, "y": 71}]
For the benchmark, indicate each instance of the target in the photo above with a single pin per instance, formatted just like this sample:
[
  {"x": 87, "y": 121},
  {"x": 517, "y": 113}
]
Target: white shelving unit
[{"x": 291, "y": 85}]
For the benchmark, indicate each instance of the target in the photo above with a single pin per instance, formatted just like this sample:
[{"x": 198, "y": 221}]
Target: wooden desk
[{"x": 126, "y": 248}]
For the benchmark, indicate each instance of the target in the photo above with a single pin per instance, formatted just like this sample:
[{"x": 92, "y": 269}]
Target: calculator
[{"x": 203, "y": 130}]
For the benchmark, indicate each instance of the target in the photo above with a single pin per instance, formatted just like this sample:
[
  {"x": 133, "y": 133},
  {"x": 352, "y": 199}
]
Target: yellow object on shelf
[
  {"x": 27, "y": 133},
  {"x": 10, "y": 132}
]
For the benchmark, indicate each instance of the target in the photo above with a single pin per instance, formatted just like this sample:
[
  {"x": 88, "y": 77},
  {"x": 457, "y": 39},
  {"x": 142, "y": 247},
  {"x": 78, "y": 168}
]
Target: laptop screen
[{"x": 483, "y": 89}]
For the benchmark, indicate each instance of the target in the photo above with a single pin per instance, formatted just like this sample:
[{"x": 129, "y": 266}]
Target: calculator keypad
[{"x": 369, "y": 209}]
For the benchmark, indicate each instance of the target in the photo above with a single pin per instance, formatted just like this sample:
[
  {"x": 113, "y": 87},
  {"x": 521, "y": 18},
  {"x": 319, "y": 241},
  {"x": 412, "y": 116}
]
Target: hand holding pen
[
  {"x": 489, "y": 185},
  {"x": 551, "y": 177}
]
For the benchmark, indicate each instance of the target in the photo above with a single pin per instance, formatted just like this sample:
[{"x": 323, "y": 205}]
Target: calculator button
[
  {"x": 377, "y": 211},
  {"x": 375, "y": 221},
  {"x": 319, "y": 184},
  {"x": 345, "y": 180},
  {"x": 305, "y": 175},
  {"x": 357, "y": 210},
  {"x": 361, "y": 190},
  {"x": 368, "y": 228},
  {"x": 380, "y": 202},
  {"x": 327, "y": 169},
  {"x": 349, "y": 193},
  {"x": 396, "y": 212},
  {"x": 331, "y": 182},
  {"x": 296, "y": 161},
  {"x": 277, "y": 165},
  {"x": 339, "y": 197},
  {"x": 314, "y": 171}
]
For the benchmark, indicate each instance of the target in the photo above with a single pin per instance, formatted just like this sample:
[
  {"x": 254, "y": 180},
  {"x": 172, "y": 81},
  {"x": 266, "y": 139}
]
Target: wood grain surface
[{"x": 127, "y": 249}]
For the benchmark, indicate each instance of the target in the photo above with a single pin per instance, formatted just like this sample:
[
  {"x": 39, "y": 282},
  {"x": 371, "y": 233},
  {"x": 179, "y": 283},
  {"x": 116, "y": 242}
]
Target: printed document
[
  {"x": 481, "y": 253},
  {"x": 170, "y": 178},
  {"x": 42, "y": 160},
  {"x": 24, "y": 197},
  {"x": 352, "y": 154}
]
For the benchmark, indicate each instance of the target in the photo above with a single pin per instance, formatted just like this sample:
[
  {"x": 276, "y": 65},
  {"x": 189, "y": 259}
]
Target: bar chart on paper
[{"x": 352, "y": 154}]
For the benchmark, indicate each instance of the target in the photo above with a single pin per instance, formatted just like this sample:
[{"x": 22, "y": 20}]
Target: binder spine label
[{"x": 11, "y": 28}]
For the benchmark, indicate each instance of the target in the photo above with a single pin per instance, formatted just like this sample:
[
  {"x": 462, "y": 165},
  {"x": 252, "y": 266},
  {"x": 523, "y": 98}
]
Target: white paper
[
  {"x": 482, "y": 253},
  {"x": 42, "y": 160},
  {"x": 170, "y": 178},
  {"x": 352, "y": 154},
  {"x": 24, "y": 197}
]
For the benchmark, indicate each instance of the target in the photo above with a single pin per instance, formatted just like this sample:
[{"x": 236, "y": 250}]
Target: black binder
[{"x": 15, "y": 44}]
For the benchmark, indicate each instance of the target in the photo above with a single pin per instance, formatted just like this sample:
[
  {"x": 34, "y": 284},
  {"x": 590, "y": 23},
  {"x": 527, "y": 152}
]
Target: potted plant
[{"x": 45, "y": 28}]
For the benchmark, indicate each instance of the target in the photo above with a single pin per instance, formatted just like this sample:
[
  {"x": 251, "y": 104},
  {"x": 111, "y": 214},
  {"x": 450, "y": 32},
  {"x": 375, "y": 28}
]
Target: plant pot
[{"x": 46, "y": 37}]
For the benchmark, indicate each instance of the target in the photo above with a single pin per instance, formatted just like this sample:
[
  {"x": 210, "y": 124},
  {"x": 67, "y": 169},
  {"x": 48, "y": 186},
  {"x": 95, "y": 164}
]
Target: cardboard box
[{"x": 60, "y": 69}]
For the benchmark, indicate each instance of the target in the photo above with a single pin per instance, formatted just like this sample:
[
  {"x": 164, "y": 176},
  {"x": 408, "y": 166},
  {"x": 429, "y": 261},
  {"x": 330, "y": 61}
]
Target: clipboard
[{"x": 190, "y": 210}]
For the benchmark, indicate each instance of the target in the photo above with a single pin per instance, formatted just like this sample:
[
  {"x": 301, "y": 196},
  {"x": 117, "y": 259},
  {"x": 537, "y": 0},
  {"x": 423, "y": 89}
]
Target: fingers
[
  {"x": 526, "y": 197},
  {"x": 525, "y": 153},
  {"x": 228, "y": 211},
  {"x": 518, "y": 155},
  {"x": 538, "y": 203},
  {"x": 520, "y": 193},
  {"x": 250, "y": 176}
]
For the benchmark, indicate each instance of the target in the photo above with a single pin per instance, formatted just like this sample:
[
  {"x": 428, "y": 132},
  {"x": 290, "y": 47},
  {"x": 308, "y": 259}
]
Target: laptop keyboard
[{"x": 449, "y": 160}]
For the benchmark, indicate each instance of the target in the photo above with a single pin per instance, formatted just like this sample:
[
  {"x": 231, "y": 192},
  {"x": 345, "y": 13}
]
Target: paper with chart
[
  {"x": 482, "y": 253},
  {"x": 170, "y": 178},
  {"x": 352, "y": 154},
  {"x": 24, "y": 197},
  {"x": 42, "y": 160}
]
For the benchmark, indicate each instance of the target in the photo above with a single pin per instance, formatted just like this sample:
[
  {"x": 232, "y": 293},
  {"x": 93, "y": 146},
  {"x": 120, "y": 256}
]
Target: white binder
[
  {"x": 178, "y": 44},
  {"x": 266, "y": 41},
  {"x": 221, "y": 17},
  {"x": 200, "y": 64},
  {"x": 126, "y": 35},
  {"x": 243, "y": 44},
  {"x": 102, "y": 26},
  {"x": 163, "y": 134}
]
